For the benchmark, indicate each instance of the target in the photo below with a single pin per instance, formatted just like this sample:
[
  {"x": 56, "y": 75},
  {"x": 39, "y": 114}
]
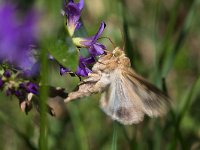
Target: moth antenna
[
  {"x": 123, "y": 37},
  {"x": 113, "y": 44}
]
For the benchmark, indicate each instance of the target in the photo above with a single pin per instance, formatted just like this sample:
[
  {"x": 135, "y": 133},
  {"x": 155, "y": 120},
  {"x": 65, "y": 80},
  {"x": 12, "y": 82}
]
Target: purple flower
[
  {"x": 94, "y": 48},
  {"x": 32, "y": 88},
  {"x": 63, "y": 70},
  {"x": 16, "y": 36},
  {"x": 33, "y": 71},
  {"x": 82, "y": 69},
  {"x": 1, "y": 82},
  {"x": 29, "y": 87},
  {"x": 20, "y": 94},
  {"x": 7, "y": 74},
  {"x": 10, "y": 91},
  {"x": 73, "y": 13}
]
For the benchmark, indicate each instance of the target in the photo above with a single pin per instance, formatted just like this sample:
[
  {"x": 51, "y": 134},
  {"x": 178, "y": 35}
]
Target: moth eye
[{"x": 117, "y": 52}]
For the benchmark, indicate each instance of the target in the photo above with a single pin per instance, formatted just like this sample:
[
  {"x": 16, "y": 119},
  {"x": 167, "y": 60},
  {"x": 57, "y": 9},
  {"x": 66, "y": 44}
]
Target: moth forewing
[
  {"x": 117, "y": 101},
  {"x": 155, "y": 102}
]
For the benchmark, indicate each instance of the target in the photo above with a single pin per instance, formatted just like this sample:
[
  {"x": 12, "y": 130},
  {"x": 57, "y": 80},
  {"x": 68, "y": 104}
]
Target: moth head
[
  {"x": 121, "y": 57},
  {"x": 117, "y": 52}
]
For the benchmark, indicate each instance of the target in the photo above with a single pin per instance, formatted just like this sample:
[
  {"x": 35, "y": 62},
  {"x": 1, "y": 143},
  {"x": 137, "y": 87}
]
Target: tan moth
[{"x": 126, "y": 96}]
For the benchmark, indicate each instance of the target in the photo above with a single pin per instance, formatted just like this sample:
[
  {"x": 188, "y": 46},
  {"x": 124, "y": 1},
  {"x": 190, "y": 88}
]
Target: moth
[{"x": 126, "y": 96}]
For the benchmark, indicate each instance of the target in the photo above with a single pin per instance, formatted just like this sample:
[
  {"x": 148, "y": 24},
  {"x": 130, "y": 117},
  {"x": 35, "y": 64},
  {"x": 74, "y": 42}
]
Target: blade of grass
[
  {"x": 157, "y": 136},
  {"x": 193, "y": 92},
  {"x": 5, "y": 119},
  {"x": 169, "y": 59},
  {"x": 188, "y": 101},
  {"x": 166, "y": 44},
  {"x": 169, "y": 32},
  {"x": 115, "y": 136},
  {"x": 78, "y": 126},
  {"x": 122, "y": 127}
]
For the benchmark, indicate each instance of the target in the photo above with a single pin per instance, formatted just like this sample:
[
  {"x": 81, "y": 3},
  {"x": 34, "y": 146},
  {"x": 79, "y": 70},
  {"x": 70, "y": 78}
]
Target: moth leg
[
  {"x": 93, "y": 77},
  {"x": 84, "y": 89},
  {"x": 102, "y": 84},
  {"x": 89, "y": 87}
]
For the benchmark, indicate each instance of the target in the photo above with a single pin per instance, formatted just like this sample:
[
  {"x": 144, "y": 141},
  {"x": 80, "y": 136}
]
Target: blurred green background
[{"x": 162, "y": 40}]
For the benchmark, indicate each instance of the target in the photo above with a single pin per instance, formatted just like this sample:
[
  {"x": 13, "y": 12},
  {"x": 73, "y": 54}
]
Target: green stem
[
  {"x": 43, "y": 99},
  {"x": 114, "y": 139}
]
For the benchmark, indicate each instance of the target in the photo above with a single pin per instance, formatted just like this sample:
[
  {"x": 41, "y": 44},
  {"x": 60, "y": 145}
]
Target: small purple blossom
[
  {"x": 10, "y": 91},
  {"x": 73, "y": 13},
  {"x": 16, "y": 36},
  {"x": 30, "y": 87},
  {"x": 1, "y": 82},
  {"x": 82, "y": 69},
  {"x": 91, "y": 43},
  {"x": 63, "y": 70},
  {"x": 20, "y": 94},
  {"x": 7, "y": 74}
]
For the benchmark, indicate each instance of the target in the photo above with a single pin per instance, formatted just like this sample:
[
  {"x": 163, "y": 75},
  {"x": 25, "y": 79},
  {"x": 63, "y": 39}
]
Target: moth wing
[
  {"x": 120, "y": 103},
  {"x": 155, "y": 102}
]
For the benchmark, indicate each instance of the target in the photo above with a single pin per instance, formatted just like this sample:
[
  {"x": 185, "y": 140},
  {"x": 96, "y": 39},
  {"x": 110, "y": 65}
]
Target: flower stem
[
  {"x": 115, "y": 136},
  {"x": 43, "y": 99}
]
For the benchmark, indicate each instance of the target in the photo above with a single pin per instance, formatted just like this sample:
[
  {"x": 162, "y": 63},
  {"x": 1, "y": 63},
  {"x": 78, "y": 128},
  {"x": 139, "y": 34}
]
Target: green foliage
[{"x": 64, "y": 53}]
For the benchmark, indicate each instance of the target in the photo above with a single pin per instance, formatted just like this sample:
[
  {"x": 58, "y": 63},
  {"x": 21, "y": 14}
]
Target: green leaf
[{"x": 64, "y": 53}]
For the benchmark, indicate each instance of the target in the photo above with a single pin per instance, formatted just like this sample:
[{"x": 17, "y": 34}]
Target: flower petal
[
  {"x": 1, "y": 82},
  {"x": 20, "y": 31},
  {"x": 101, "y": 29},
  {"x": 89, "y": 60},
  {"x": 78, "y": 25},
  {"x": 81, "y": 4},
  {"x": 73, "y": 12},
  {"x": 9, "y": 92},
  {"x": 32, "y": 88},
  {"x": 63, "y": 70},
  {"x": 7, "y": 74},
  {"x": 87, "y": 42},
  {"x": 82, "y": 69},
  {"x": 97, "y": 49}
]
